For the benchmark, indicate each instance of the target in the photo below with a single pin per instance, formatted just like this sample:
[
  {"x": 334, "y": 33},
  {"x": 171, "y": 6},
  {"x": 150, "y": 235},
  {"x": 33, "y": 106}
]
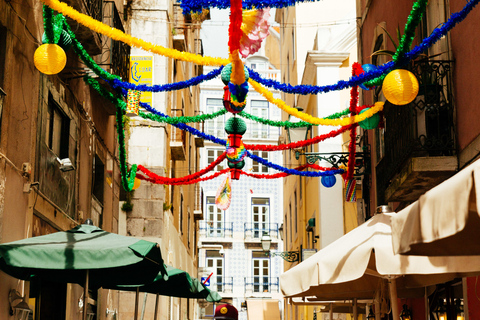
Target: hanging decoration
[
  {"x": 245, "y": 34},
  {"x": 133, "y": 101},
  {"x": 328, "y": 181},
  {"x": 224, "y": 194},
  {"x": 254, "y": 29},
  {"x": 400, "y": 87},
  {"x": 350, "y": 190}
]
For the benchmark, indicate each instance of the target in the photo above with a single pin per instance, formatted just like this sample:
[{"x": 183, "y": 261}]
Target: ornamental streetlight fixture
[
  {"x": 296, "y": 134},
  {"x": 20, "y": 310},
  {"x": 290, "y": 256}
]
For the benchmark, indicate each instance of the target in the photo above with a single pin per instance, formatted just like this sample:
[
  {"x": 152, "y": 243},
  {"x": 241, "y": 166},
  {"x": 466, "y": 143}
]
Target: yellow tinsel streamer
[
  {"x": 314, "y": 120},
  {"x": 238, "y": 73},
  {"x": 118, "y": 35}
]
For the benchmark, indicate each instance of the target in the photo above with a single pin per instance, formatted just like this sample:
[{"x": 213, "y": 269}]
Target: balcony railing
[
  {"x": 212, "y": 229},
  {"x": 422, "y": 128},
  {"x": 120, "y": 51},
  {"x": 177, "y": 139},
  {"x": 261, "y": 284},
  {"x": 255, "y": 230},
  {"x": 94, "y": 9},
  {"x": 221, "y": 284}
]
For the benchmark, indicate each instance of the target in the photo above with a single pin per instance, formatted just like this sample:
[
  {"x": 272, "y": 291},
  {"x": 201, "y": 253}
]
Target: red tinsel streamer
[
  {"x": 164, "y": 180},
  {"x": 213, "y": 176},
  {"x": 284, "y": 174},
  {"x": 234, "y": 31},
  {"x": 356, "y": 69}
]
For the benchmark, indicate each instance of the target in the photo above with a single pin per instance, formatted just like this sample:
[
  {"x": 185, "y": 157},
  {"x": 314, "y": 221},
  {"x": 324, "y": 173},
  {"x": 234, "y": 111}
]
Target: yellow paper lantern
[
  {"x": 400, "y": 87},
  {"x": 50, "y": 58},
  {"x": 136, "y": 183}
]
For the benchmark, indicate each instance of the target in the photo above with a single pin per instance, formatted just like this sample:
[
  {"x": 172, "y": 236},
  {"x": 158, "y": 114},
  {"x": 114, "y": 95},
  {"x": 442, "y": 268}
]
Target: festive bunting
[{"x": 224, "y": 195}]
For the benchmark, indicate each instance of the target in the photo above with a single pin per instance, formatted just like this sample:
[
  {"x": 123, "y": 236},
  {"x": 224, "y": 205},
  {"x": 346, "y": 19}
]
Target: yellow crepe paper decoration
[
  {"x": 50, "y": 58},
  {"x": 238, "y": 73},
  {"x": 118, "y": 35},
  {"x": 400, "y": 87},
  {"x": 314, "y": 120}
]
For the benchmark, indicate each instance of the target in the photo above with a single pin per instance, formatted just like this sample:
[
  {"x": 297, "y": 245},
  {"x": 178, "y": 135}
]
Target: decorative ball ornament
[
  {"x": 136, "y": 183},
  {"x": 235, "y": 125},
  {"x": 236, "y": 154},
  {"x": 400, "y": 87},
  {"x": 369, "y": 123},
  {"x": 328, "y": 181},
  {"x": 227, "y": 71},
  {"x": 236, "y": 165},
  {"x": 50, "y": 58},
  {"x": 367, "y": 68}
]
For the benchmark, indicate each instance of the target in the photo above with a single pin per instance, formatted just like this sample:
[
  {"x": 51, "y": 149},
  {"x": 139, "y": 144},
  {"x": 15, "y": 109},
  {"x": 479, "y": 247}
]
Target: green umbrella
[
  {"x": 179, "y": 284},
  {"x": 84, "y": 255}
]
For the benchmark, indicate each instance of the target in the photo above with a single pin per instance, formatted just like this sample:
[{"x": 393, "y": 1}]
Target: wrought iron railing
[
  {"x": 255, "y": 230},
  {"x": 120, "y": 51},
  {"x": 94, "y": 9},
  {"x": 422, "y": 128},
  {"x": 221, "y": 284},
  {"x": 216, "y": 229},
  {"x": 261, "y": 284}
]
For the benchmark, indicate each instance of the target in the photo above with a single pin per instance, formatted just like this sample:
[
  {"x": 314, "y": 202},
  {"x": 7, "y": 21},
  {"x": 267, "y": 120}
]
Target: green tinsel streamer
[
  {"x": 78, "y": 47},
  {"x": 131, "y": 179},
  {"x": 120, "y": 105},
  {"x": 407, "y": 39},
  {"x": 176, "y": 120},
  {"x": 48, "y": 24}
]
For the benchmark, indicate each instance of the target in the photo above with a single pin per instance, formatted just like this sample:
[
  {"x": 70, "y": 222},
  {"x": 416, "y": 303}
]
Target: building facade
[{"x": 230, "y": 251}]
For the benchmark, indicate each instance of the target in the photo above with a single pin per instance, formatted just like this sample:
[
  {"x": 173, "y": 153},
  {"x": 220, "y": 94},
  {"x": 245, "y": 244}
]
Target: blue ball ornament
[
  {"x": 367, "y": 68},
  {"x": 328, "y": 181}
]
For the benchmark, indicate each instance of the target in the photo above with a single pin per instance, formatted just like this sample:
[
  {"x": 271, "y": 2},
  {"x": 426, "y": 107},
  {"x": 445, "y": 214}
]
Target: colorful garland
[
  {"x": 119, "y": 35},
  {"x": 189, "y": 6}
]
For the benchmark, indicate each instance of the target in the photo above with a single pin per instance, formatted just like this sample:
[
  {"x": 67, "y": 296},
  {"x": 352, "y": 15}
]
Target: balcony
[
  {"x": 221, "y": 284},
  {"x": 90, "y": 39},
  {"x": 253, "y": 231},
  {"x": 177, "y": 139},
  {"x": 214, "y": 229},
  {"x": 199, "y": 142},
  {"x": 178, "y": 29},
  {"x": 198, "y": 210},
  {"x": 120, "y": 52},
  {"x": 261, "y": 284},
  {"x": 419, "y": 138}
]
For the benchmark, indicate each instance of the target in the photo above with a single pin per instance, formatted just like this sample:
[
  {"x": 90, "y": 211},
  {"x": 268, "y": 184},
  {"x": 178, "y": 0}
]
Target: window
[
  {"x": 181, "y": 214},
  {"x": 98, "y": 178},
  {"x": 260, "y": 216},
  {"x": 212, "y": 155},
  {"x": 215, "y": 126},
  {"x": 215, "y": 219},
  {"x": 215, "y": 264},
  {"x": 258, "y": 167},
  {"x": 261, "y": 272},
  {"x": 295, "y": 210},
  {"x": 58, "y": 128},
  {"x": 259, "y": 108}
]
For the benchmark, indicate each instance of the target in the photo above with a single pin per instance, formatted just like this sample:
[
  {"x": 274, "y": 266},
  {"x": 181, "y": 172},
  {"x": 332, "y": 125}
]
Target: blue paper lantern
[
  {"x": 369, "y": 123},
  {"x": 367, "y": 68},
  {"x": 328, "y": 181}
]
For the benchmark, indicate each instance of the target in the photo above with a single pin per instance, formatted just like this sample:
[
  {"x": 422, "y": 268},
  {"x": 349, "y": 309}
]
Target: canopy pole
[
  {"x": 85, "y": 294},
  {"x": 377, "y": 305},
  {"x": 330, "y": 312},
  {"x": 355, "y": 311},
  {"x": 135, "y": 316},
  {"x": 156, "y": 308},
  {"x": 392, "y": 285}
]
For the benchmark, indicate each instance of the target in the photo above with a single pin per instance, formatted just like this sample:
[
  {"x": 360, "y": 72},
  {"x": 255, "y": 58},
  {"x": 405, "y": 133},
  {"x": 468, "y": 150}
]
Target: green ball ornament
[
  {"x": 227, "y": 71},
  {"x": 369, "y": 123},
  {"x": 235, "y": 126},
  {"x": 236, "y": 165}
]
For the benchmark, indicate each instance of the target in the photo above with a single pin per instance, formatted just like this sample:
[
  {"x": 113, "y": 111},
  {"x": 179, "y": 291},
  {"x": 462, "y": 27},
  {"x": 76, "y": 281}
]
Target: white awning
[{"x": 263, "y": 309}]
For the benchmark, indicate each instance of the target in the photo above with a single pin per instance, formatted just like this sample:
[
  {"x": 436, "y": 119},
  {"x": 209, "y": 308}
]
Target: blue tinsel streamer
[
  {"x": 293, "y": 171},
  {"x": 436, "y": 34},
  {"x": 169, "y": 86},
  {"x": 197, "y": 5}
]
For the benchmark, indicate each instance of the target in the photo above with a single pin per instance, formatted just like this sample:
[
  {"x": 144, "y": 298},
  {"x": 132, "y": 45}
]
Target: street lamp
[
  {"x": 371, "y": 316},
  {"x": 280, "y": 231},
  {"x": 21, "y": 310},
  {"x": 296, "y": 134},
  {"x": 290, "y": 256},
  {"x": 406, "y": 314}
]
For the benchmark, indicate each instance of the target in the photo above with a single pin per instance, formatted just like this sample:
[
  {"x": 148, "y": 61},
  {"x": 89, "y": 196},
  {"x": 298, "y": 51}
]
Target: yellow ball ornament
[
  {"x": 400, "y": 87},
  {"x": 136, "y": 183},
  {"x": 50, "y": 58}
]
